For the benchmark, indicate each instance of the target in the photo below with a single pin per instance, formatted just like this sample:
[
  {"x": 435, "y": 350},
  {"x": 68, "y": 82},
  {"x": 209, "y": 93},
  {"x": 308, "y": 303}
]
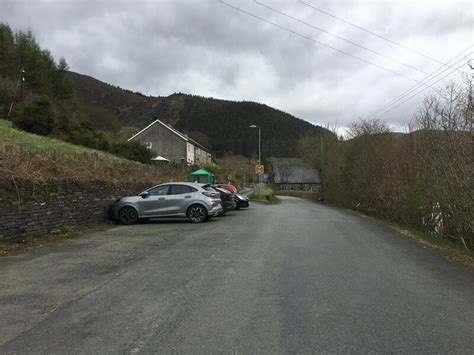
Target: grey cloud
[{"x": 205, "y": 48}]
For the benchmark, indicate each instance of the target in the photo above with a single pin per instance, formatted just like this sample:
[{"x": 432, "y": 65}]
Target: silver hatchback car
[{"x": 175, "y": 199}]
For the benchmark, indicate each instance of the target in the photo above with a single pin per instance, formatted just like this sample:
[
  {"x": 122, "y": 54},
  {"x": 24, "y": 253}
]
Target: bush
[
  {"x": 86, "y": 135},
  {"x": 133, "y": 151},
  {"x": 37, "y": 117},
  {"x": 262, "y": 193}
]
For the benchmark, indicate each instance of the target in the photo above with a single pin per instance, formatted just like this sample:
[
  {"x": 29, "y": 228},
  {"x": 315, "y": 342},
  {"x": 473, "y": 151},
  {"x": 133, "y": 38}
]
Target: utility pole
[
  {"x": 321, "y": 168},
  {"x": 471, "y": 65},
  {"x": 259, "y": 161},
  {"x": 21, "y": 80}
]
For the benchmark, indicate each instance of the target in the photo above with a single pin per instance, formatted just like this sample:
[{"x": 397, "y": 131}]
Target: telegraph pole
[
  {"x": 321, "y": 168},
  {"x": 20, "y": 81},
  {"x": 259, "y": 161}
]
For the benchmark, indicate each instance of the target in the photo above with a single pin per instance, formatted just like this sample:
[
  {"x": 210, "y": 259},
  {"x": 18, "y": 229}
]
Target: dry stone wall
[{"x": 28, "y": 210}]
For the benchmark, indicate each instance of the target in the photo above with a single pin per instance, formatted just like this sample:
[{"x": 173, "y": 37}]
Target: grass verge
[
  {"x": 449, "y": 249},
  {"x": 15, "y": 248},
  {"x": 264, "y": 195}
]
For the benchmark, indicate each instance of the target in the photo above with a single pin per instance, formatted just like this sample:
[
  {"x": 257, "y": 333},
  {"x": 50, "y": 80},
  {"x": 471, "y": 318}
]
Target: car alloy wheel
[
  {"x": 197, "y": 214},
  {"x": 128, "y": 215}
]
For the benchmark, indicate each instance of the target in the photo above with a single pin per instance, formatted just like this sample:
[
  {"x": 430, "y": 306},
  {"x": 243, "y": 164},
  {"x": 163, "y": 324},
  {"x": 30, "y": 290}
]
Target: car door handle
[
  {"x": 161, "y": 199},
  {"x": 187, "y": 196}
]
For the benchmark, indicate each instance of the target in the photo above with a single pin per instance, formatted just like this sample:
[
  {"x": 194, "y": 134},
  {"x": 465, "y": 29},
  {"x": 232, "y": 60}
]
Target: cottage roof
[
  {"x": 179, "y": 134},
  {"x": 295, "y": 174}
]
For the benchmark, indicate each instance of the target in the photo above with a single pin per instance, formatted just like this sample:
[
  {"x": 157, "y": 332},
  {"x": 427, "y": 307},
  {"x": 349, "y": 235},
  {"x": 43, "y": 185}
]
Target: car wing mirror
[{"x": 144, "y": 194}]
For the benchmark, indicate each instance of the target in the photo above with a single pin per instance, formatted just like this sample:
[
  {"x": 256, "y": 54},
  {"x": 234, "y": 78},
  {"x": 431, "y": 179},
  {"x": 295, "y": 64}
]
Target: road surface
[{"x": 294, "y": 277}]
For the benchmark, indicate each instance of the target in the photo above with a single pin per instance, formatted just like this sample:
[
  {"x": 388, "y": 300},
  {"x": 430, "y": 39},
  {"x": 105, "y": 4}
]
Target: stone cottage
[
  {"x": 172, "y": 145},
  {"x": 295, "y": 177}
]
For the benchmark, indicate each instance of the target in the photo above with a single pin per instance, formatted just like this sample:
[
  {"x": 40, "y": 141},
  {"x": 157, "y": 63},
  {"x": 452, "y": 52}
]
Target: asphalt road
[{"x": 294, "y": 277}]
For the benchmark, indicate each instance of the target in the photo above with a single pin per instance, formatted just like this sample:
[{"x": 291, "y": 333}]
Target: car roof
[{"x": 192, "y": 184}]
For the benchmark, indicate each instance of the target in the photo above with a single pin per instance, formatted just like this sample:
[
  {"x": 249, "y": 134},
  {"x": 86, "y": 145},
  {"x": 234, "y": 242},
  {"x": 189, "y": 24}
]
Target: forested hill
[{"x": 222, "y": 125}]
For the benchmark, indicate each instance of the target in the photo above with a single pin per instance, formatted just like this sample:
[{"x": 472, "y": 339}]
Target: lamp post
[{"x": 259, "y": 161}]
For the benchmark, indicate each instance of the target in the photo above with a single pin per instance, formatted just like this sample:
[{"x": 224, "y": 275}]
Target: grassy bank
[
  {"x": 39, "y": 144},
  {"x": 30, "y": 157}
]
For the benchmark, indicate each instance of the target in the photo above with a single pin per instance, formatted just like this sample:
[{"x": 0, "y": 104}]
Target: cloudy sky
[{"x": 206, "y": 48}]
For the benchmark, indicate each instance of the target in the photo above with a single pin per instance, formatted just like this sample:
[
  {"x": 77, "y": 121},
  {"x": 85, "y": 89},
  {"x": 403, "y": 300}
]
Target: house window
[{"x": 149, "y": 145}]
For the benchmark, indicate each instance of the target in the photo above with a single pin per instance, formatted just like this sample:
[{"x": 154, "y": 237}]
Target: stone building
[
  {"x": 295, "y": 178},
  {"x": 172, "y": 145}
]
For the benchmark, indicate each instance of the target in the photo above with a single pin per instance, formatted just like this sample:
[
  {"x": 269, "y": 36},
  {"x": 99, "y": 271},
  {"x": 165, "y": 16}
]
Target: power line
[
  {"x": 373, "y": 33},
  {"x": 342, "y": 38},
  {"x": 426, "y": 80},
  {"x": 416, "y": 94},
  {"x": 320, "y": 43}
]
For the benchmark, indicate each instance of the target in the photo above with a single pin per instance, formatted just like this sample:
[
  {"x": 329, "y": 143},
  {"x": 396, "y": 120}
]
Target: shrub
[
  {"x": 86, "y": 135},
  {"x": 133, "y": 151},
  {"x": 263, "y": 193},
  {"x": 37, "y": 117}
]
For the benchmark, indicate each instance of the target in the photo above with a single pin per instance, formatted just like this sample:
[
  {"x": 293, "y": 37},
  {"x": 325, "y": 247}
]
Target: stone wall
[
  {"x": 298, "y": 187},
  {"x": 28, "y": 210}
]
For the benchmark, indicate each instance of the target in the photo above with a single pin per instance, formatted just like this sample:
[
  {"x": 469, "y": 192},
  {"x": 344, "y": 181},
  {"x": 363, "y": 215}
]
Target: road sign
[{"x": 259, "y": 169}]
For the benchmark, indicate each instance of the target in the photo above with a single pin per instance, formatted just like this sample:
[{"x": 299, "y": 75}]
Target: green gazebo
[{"x": 203, "y": 176}]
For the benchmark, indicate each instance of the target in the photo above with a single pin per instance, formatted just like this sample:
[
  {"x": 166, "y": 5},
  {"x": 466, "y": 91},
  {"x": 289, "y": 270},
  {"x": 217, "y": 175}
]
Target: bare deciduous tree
[
  {"x": 421, "y": 179},
  {"x": 366, "y": 127}
]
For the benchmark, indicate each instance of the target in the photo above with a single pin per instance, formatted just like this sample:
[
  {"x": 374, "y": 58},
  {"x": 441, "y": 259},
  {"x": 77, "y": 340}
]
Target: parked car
[
  {"x": 242, "y": 201},
  {"x": 227, "y": 198},
  {"x": 228, "y": 187},
  {"x": 176, "y": 199}
]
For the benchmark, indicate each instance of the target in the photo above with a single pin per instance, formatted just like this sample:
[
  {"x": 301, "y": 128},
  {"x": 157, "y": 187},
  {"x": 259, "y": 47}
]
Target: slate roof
[
  {"x": 295, "y": 174},
  {"x": 178, "y": 133}
]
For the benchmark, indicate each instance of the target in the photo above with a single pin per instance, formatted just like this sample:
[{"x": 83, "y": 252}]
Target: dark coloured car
[
  {"x": 242, "y": 201},
  {"x": 176, "y": 199},
  {"x": 227, "y": 198}
]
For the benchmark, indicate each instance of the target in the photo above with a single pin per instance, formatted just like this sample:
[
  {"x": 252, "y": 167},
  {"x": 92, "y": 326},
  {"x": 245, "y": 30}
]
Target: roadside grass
[
  {"x": 264, "y": 194},
  {"x": 449, "y": 249},
  {"x": 35, "y": 143},
  {"x": 16, "y": 248}
]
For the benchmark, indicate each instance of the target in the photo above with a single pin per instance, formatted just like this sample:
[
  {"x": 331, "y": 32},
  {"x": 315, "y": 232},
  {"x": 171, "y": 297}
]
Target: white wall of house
[
  {"x": 190, "y": 153},
  {"x": 201, "y": 156}
]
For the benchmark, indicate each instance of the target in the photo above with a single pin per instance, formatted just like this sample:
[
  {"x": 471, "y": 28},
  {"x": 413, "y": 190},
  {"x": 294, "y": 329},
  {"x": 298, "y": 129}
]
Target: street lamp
[
  {"x": 254, "y": 126},
  {"x": 259, "y": 161}
]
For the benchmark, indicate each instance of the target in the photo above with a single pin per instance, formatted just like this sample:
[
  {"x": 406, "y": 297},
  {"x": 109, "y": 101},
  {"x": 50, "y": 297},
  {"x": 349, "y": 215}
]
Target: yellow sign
[{"x": 259, "y": 169}]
